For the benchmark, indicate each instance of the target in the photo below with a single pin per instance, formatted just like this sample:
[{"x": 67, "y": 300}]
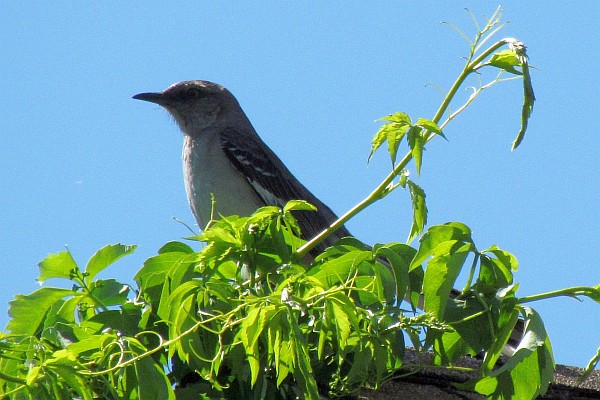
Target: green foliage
[
  {"x": 243, "y": 318},
  {"x": 251, "y": 316}
]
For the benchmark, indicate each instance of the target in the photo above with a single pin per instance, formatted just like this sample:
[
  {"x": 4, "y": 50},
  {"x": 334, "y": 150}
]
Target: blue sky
[{"x": 84, "y": 165}]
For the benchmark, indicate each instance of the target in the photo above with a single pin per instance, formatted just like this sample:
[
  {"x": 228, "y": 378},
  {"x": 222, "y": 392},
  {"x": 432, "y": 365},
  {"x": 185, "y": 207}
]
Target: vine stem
[
  {"x": 382, "y": 189},
  {"x": 568, "y": 292}
]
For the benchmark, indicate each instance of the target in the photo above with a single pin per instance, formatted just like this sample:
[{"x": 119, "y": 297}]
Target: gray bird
[{"x": 224, "y": 156}]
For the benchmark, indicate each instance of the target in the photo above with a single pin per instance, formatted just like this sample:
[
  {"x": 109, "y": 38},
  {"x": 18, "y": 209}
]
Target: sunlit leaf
[
  {"x": 419, "y": 220},
  {"x": 506, "y": 60},
  {"x": 430, "y": 126},
  {"x": 59, "y": 265},
  {"x": 528, "y": 96},
  {"x": 416, "y": 143},
  {"x": 27, "y": 312},
  {"x": 298, "y": 205},
  {"x": 440, "y": 274},
  {"x": 105, "y": 257},
  {"x": 438, "y": 234}
]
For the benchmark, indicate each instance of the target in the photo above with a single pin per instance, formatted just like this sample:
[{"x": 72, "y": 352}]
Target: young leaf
[
  {"x": 417, "y": 196},
  {"x": 398, "y": 117},
  {"x": 506, "y": 60},
  {"x": 437, "y": 235},
  {"x": 392, "y": 132},
  {"x": 60, "y": 265},
  {"x": 104, "y": 257},
  {"x": 416, "y": 143},
  {"x": 395, "y": 134},
  {"x": 528, "y": 95},
  {"x": 298, "y": 205},
  {"x": 430, "y": 126}
]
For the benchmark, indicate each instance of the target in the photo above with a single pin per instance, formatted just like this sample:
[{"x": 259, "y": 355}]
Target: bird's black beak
[{"x": 157, "y": 98}]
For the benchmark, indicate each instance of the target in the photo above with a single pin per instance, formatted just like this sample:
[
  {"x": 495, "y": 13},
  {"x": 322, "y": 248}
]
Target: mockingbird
[{"x": 223, "y": 156}]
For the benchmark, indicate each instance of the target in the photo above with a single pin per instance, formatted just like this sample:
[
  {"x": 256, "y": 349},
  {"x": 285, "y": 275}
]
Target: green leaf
[
  {"x": 60, "y": 265},
  {"x": 298, "y": 205},
  {"x": 527, "y": 374},
  {"x": 104, "y": 257},
  {"x": 249, "y": 332},
  {"x": 343, "y": 313},
  {"x": 430, "y": 126},
  {"x": 528, "y": 95},
  {"x": 175, "y": 247},
  {"x": 469, "y": 334},
  {"x": 417, "y": 196},
  {"x": 416, "y": 143},
  {"x": 506, "y": 60},
  {"x": 152, "y": 380},
  {"x": 392, "y": 132},
  {"x": 302, "y": 370},
  {"x": 590, "y": 367},
  {"x": 399, "y": 257},
  {"x": 74, "y": 380},
  {"x": 399, "y": 117},
  {"x": 495, "y": 350},
  {"x": 28, "y": 312},
  {"x": 155, "y": 269},
  {"x": 438, "y": 234},
  {"x": 395, "y": 134},
  {"x": 440, "y": 274},
  {"x": 108, "y": 292},
  {"x": 338, "y": 270},
  {"x": 496, "y": 272},
  {"x": 528, "y": 101}
]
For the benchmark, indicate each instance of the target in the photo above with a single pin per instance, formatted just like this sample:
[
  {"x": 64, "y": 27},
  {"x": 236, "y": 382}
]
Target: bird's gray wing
[{"x": 273, "y": 182}]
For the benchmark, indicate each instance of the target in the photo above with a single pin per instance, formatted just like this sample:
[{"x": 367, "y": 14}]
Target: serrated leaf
[
  {"x": 302, "y": 371},
  {"x": 343, "y": 313},
  {"x": 419, "y": 220},
  {"x": 105, "y": 257},
  {"x": 249, "y": 333},
  {"x": 528, "y": 101},
  {"x": 298, "y": 205},
  {"x": 437, "y": 235},
  {"x": 28, "y": 312},
  {"x": 59, "y": 265},
  {"x": 394, "y": 138},
  {"x": 392, "y": 132},
  {"x": 400, "y": 117},
  {"x": 416, "y": 143},
  {"x": 430, "y": 126},
  {"x": 440, "y": 274}
]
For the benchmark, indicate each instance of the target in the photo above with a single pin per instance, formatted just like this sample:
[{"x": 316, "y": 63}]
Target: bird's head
[{"x": 195, "y": 105}]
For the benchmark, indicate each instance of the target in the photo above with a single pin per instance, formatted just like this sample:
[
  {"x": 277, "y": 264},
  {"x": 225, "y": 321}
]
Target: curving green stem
[{"x": 381, "y": 190}]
